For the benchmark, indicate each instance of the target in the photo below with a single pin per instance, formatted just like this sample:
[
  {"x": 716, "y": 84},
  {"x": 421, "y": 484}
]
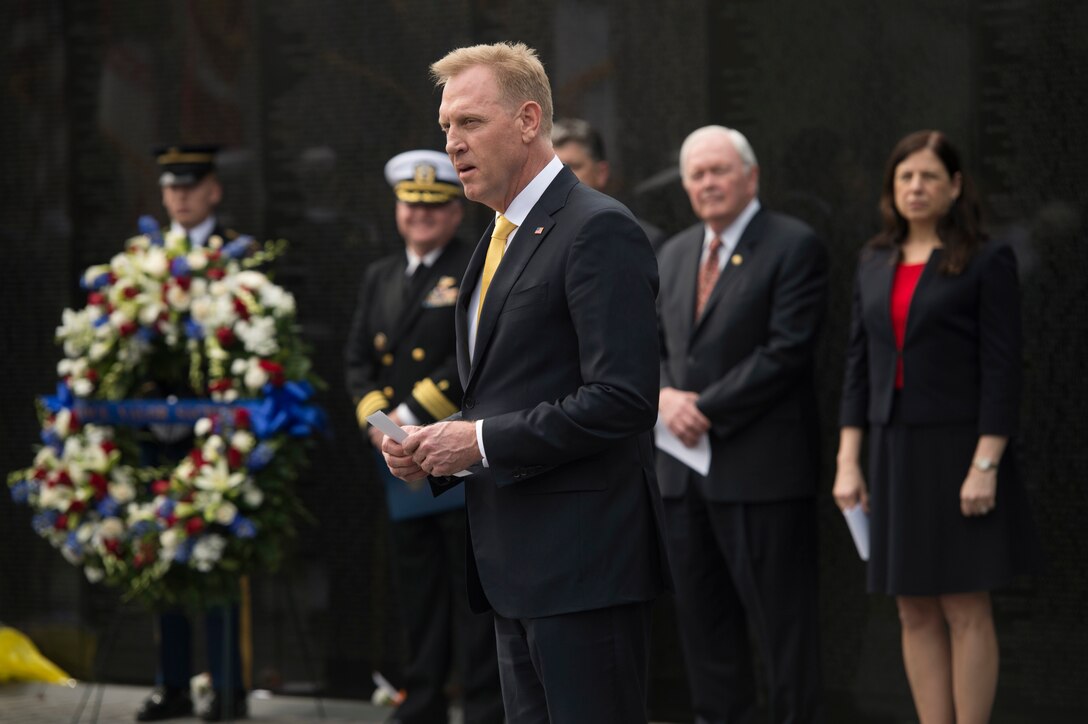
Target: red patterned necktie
[{"x": 708, "y": 276}]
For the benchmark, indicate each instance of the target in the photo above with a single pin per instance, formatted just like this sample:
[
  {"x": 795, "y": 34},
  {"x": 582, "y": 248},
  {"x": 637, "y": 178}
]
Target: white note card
[
  {"x": 381, "y": 421},
  {"x": 697, "y": 458},
  {"x": 857, "y": 520}
]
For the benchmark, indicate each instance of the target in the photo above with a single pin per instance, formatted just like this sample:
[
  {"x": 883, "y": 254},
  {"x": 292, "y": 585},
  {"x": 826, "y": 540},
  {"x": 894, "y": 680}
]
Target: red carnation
[
  {"x": 76, "y": 507},
  {"x": 240, "y": 308},
  {"x": 159, "y": 487},
  {"x": 215, "y": 274},
  {"x": 95, "y": 298},
  {"x": 220, "y": 385},
  {"x": 91, "y": 375},
  {"x": 242, "y": 418},
  {"x": 274, "y": 370},
  {"x": 197, "y": 457},
  {"x": 108, "y": 447},
  {"x": 100, "y": 484},
  {"x": 63, "y": 479},
  {"x": 225, "y": 336},
  {"x": 234, "y": 458},
  {"x": 113, "y": 546},
  {"x": 184, "y": 282},
  {"x": 130, "y": 292},
  {"x": 194, "y": 525},
  {"x": 214, "y": 255},
  {"x": 61, "y": 522},
  {"x": 127, "y": 329},
  {"x": 170, "y": 520}
]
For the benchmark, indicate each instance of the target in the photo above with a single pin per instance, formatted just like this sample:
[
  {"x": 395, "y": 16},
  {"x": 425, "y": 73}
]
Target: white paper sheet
[
  {"x": 857, "y": 520},
  {"x": 697, "y": 458},
  {"x": 381, "y": 421}
]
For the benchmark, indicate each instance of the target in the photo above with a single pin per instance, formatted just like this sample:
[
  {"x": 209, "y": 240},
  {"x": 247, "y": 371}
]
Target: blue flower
[
  {"x": 238, "y": 248},
  {"x": 141, "y": 528},
  {"x": 148, "y": 225},
  {"x": 108, "y": 507},
  {"x": 146, "y": 334},
  {"x": 104, "y": 319},
  {"x": 97, "y": 283},
  {"x": 166, "y": 508},
  {"x": 193, "y": 330},
  {"x": 179, "y": 267},
  {"x": 181, "y": 555},
  {"x": 243, "y": 527},
  {"x": 72, "y": 543},
  {"x": 43, "y": 522},
  {"x": 50, "y": 437},
  {"x": 20, "y": 492},
  {"x": 260, "y": 457}
]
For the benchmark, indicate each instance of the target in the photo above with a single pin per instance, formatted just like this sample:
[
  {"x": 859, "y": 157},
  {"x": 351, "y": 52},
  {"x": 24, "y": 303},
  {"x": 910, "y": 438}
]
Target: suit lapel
[
  {"x": 464, "y": 299},
  {"x": 683, "y": 318},
  {"x": 928, "y": 273},
  {"x": 530, "y": 235},
  {"x": 882, "y": 290}
]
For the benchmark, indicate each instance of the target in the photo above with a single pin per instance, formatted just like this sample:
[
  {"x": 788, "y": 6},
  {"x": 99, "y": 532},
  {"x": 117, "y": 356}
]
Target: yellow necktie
[{"x": 503, "y": 227}]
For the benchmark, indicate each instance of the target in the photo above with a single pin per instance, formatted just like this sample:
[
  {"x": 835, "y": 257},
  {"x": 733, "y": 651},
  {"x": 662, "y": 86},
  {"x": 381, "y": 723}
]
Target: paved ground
[{"x": 45, "y": 704}]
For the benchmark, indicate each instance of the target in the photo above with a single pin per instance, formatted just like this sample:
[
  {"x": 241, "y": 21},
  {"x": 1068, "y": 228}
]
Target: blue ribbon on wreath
[{"x": 284, "y": 409}]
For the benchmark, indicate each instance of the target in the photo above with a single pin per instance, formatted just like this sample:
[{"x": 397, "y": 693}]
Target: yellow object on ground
[{"x": 20, "y": 660}]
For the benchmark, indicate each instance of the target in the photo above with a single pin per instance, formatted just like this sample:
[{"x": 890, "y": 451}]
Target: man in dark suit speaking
[
  {"x": 742, "y": 296},
  {"x": 557, "y": 353}
]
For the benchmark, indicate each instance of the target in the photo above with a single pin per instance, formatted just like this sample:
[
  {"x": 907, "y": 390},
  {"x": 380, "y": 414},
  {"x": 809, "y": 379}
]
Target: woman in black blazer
[{"x": 933, "y": 369}]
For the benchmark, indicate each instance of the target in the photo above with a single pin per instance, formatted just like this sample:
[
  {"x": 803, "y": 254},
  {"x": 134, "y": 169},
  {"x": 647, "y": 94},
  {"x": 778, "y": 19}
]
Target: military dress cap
[
  {"x": 423, "y": 177},
  {"x": 184, "y": 165}
]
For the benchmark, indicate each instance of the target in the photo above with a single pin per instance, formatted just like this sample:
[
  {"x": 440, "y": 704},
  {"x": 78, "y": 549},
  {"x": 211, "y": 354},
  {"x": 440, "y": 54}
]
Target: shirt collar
[
  {"x": 524, "y": 202},
  {"x": 731, "y": 234},
  {"x": 426, "y": 260},
  {"x": 198, "y": 235}
]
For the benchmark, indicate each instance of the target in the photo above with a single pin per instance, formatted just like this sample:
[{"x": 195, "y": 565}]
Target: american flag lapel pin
[{"x": 538, "y": 230}]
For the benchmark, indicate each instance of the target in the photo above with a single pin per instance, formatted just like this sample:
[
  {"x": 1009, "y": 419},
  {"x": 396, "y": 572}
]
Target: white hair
[{"x": 735, "y": 137}]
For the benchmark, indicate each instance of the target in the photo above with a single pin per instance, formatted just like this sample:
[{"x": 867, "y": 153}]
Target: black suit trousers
[
  {"x": 741, "y": 567},
  {"x": 587, "y": 667}
]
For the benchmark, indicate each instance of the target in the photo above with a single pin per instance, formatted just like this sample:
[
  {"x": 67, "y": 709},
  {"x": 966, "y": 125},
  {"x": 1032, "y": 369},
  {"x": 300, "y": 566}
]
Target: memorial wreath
[{"x": 169, "y": 451}]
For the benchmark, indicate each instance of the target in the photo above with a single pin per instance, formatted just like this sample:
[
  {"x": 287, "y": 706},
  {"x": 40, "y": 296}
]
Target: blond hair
[{"x": 518, "y": 71}]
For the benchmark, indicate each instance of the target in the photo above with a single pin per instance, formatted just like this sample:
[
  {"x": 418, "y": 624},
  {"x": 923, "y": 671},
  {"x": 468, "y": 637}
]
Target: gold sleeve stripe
[
  {"x": 370, "y": 404},
  {"x": 432, "y": 400}
]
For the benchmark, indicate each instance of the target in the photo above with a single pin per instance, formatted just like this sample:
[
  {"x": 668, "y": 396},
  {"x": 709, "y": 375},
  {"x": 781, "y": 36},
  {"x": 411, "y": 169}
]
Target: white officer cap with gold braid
[{"x": 423, "y": 177}]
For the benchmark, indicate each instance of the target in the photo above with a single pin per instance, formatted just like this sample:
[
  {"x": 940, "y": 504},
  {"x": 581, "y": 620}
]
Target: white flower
[
  {"x": 82, "y": 387},
  {"x": 203, "y": 426},
  {"x": 149, "y": 312},
  {"x": 178, "y": 298},
  {"x": 154, "y": 262},
  {"x": 238, "y": 367},
  {"x": 94, "y": 575},
  {"x": 55, "y": 498},
  {"x": 218, "y": 477},
  {"x": 208, "y": 550},
  {"x": 251, "y": 279},
  {"x": 99, "y": 350},
  {"x": 110, "y": 528},
  {"x": 46, "y": 458},
  {"x": 276, "y": 298},
  {"x": 122, "y": 491},
  {"x": 197, "y": 259},
  {"x": 62, "y": 424},
  {"x": 225, "y": 513},
  {"x": 94, "y": 272},
  {"x": 243, "y": 441},
  {"x": 258, "y": 335},
  {"x": 252, "y": 495},
  {"x": 255, "y": 377}
]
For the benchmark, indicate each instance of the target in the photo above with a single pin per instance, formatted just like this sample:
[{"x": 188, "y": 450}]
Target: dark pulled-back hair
[{"x": 960, "y": 230}]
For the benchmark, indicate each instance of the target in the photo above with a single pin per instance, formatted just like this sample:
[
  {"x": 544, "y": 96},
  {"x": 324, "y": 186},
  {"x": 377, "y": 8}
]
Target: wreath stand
[{"x": 97, "y": 686}]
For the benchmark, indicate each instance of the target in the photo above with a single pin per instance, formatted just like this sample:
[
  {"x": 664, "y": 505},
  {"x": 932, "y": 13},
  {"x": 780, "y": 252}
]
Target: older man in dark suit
[
  {"x": 742, "y": 295},
  {"x": 557, "y": 352}
]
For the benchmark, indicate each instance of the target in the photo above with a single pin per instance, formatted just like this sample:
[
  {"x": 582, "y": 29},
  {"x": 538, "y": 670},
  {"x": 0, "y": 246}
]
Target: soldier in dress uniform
[
  {"x": 401, "y": 359},
  {"x": 191, "y": 192}
]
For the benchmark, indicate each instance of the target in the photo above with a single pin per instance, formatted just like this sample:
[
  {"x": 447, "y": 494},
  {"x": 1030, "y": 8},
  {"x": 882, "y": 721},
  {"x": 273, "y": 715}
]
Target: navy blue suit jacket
[
  {"x": 567, "y": 517},
  {"x": 750, "y": 357}
]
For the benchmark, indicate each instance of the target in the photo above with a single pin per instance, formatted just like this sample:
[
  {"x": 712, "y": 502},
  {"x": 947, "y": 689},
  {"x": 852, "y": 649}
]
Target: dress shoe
[
  {"x": 217, "y": 712},
  {"x": 165, "y": 703}
]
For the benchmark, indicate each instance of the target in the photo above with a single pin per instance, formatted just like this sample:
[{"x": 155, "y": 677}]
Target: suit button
[
  {"x": 468, "y": 403},
  {"x": 418, "y": 354}
]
